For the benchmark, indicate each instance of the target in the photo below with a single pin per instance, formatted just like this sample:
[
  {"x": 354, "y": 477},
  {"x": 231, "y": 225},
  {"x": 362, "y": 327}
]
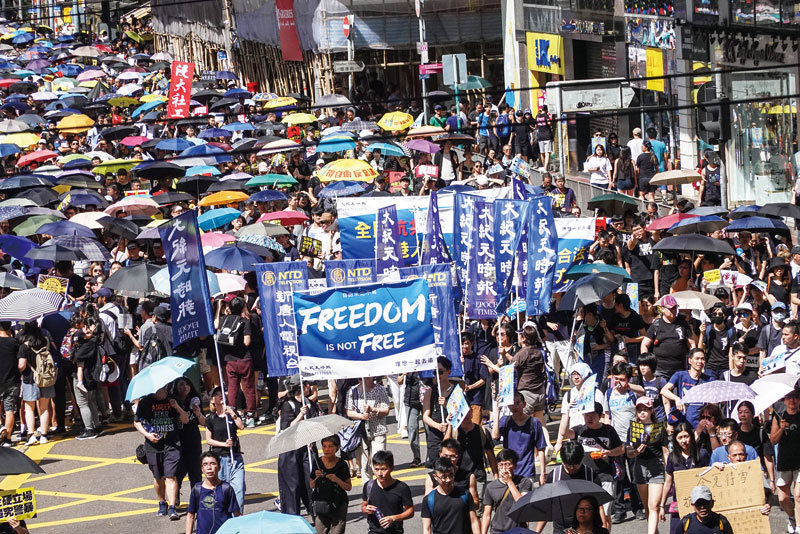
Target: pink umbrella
[
  {"x": 230, "y": 283},
  {"x": 286, "y": 218},
  {"x": 92, "y": 74},
  {"x": 422, "y": 145},
  {"x": 38, "y": 156},
  {"x": 134, "y": 140},
  {"x": 212, "y": 240},
  {"x": 135, "y": 205}
]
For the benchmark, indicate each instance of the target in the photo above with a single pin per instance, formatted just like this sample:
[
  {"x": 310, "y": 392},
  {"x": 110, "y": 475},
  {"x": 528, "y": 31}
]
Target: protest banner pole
[{"x": 222, "y": 389}]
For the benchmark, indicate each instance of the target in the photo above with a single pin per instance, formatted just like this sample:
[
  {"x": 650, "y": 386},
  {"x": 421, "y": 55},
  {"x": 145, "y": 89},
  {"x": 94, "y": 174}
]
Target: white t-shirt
[
  {"x": 448, "y": 173},
  {"x": 635, "y": 145},
  {"x": 603, "y": 168}
]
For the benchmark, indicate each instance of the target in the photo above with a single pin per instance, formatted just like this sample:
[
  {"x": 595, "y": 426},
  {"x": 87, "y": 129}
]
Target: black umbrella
[
  {"x": 171, "y": 197},
  {"x": 40, "y": 195},
  {"x": 196, "y": 184},
  {"x": 134, "y": 281},
  {"x": 158, "y": 169},
  {"x": 455, "y": 138},
  {"x": 556, "y": 501},
  {"x": 694, "y": 243},
  {"x": 96, "y": 108},
  {"x": 14, "y": 462},
  {"x": 118, "y": 132},
  {"x": 222, "y": 102},
  {"x": 151, "y": 143},
  {"x": 120, "y": 227},
  {"x": 590, "y": 289},
  {"x": 55, "y": 253},
  {"x": 80, "y": 180},
  {"x": 23, "y": 87},
  {"x": 206, "y": 95},
  {"x": 709, "y": 210},
  {"x": 781, "y": 209},
  {"x": 227, "y": 185}
]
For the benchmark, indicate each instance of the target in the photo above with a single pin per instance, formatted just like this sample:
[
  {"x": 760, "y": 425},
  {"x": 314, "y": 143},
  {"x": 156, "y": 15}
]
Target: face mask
[
  {"x": 717, "y": 320},
  {"x": 779, "y": 317}
]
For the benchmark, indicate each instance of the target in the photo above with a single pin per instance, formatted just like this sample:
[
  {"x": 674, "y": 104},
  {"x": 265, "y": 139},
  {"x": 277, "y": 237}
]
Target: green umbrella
[
  {"x": 30, "y": 225},
  {"x": 585, "y": 269},
  {"x": 475, "y": 83},
  {"x": 275, "y": 180},
  {"x": 613, "y": 203}
]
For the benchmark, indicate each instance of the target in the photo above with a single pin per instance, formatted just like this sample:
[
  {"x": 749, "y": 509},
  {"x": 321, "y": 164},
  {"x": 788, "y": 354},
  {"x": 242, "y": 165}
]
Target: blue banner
[
  {"x": 542, "y": 251},
  {"x": 371, "y": 330},
  {"x": 510, "y": 219},
  {"x": 463, "y": 207},
  {"x": 443, "y": 311},
  {"x": 481, "y": 293},
  {"x": 518, "y": 189},
  {"x": 276, "y": 281},
  {"x": 341, "y": 273},
  {"x": 434, "y": 248},
  {"x": 190, "y": 300},
  {"x": 388, "y": 255}
]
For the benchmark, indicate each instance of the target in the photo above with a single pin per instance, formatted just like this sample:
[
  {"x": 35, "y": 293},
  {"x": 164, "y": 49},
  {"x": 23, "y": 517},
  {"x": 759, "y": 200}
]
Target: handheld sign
[{"x": 457, "y": 407}]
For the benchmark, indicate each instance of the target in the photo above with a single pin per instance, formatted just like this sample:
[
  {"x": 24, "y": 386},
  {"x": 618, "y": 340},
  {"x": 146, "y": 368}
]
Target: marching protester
[{"x": 210, "y": 515}]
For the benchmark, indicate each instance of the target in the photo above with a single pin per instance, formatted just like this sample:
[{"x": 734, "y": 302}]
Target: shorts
[
  {"x": 545, "y": 147},
  {"x": 645, "y": 187},
  {"x": 32, "y": 392},
  {"x": 9, "y": 393},
  {"x": 610, "y": 488},
  {"x": 625, "y": 184},
  {"x": 164, "y": 463},
  {"x": 648, "y": 471},
  {"x": 534, "y": 402},
  {"x": 787, "y": 478}
]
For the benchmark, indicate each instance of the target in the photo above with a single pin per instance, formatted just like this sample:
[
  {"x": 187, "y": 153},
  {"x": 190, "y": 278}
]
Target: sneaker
[
  {"x": 640, "y": 515},
  {"x": 416, "y": 462},
  {"x": 81, "y": 387},
  {"x": 115, "y": 419},
  {"x": 88, "y": 434},
  {"x": 250, "y": 422},
  {"x": 172, "y": 513},
  {"x": 162, "y": 509},
  {"x": 6, "y": 443},
  {"x": 278, "y": 504},
  {"x": 404, "y": 433},
  {"x": 97, "y": 433},
  {"x": 34, "y": 439},
  {"x": 617, "y": 518},
  {"x": 791, "y": 527},
  {"x": 43, "y": 440}
]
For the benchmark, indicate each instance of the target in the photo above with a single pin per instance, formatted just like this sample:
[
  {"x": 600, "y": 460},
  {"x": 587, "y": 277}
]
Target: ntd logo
[
  {"x": 269, "y": 277},
  {"x": 360, "y": 272}
]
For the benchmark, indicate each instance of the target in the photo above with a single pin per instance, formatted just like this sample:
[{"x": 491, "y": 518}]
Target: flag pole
[{"x": 222, "y": 389}]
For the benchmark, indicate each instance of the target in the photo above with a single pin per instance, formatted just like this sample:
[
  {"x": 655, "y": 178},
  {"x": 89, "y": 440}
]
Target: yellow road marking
[
  {"x": 36, "y": 454},
  {"x": 90, "y": 458}
]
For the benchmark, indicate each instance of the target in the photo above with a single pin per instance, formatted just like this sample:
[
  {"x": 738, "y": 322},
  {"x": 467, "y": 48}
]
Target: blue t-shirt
[
  {"x": 483, "y": 125},
  {"x": 659, "y": 149},
  {"x": 720, "y": 454},
  {"x": 453, "y": 124},
  {"x": 213, "y": 508},
  {"x": 683, "y": 382},
  {"x": 525, "y": 440}
]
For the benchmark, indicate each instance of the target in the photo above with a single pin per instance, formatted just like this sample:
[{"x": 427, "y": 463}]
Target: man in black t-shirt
[
  {"x": 447, "y": 509},
  {"x": 638, "y": 258},
  {"x": 386, "y": 501},
  {"x": 9, "y": 379},
  {"x": 239, "y": 368}
]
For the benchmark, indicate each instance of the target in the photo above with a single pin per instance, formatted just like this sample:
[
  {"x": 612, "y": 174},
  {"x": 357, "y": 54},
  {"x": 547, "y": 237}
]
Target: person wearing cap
[
  {"x": 770, "y": 336},
  {"x": 747, "y": 329},
  {"x": 520, "y": 139},
  {"x": 635, "y": 144},
  {"x": 669, "y": 338},
  {"x": 704, "y": 520},
  {"x": 563, "y": 197},
  {"x": 438, "y": 119},
  {"x": 679, "y": 385},
  {"x": 579, "y": 372},
  {"x": 717, "y": 340},
  {"x": 648, "y": 445}
]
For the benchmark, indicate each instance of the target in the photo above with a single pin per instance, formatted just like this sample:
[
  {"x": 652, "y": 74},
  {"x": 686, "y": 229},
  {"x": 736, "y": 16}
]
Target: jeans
[
  {"x": 89, "y": 404},
  {"x": 413, "y": 431},
  {"x": 233, "y": 474},
  {"x": 241, "y": 372}
]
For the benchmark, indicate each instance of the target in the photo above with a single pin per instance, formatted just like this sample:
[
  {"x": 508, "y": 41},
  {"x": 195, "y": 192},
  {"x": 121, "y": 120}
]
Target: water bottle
[{"x": 378, "y": 514}]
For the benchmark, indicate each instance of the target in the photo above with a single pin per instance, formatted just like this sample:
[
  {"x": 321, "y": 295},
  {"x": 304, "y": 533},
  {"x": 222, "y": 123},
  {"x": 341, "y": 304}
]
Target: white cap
[
  {"x": 263, "y": 167},
  {"x": 745, "y": 306}
]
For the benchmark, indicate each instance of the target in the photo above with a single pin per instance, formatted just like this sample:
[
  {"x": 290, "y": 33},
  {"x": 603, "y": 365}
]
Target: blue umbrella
[
  {"x": 84, "y": 200},
  {"x": 66, "y": 38},
  {"x": 157, "y": 375},
  {"x": 174, "y": 144},
  {"x": 695, "y": 225},
  {"x": 148, "y": 106},
  {"x": 757, "y": 224},
  {"x": 7, "y": 65},
  {"x": 266, "y": 523},
  {"x": 22, "y": 38},
  {"x": 336, "y": 144},
  {"x": 70, "y": 70},
  {"x": 19, "y": 106},
  {"x": 8, "y": 149},
  {"x": 341, "y": 189},
  {"x": 708, "y": 210},
  {"x": 239, "y": 127},
  {"x": 202, "y": 169},
  {"x": 226, "y": 75},
  {"x": 9, "y": 212},
  {"x": 65, "y": 228},
  {"x": 237, "y": 92},
  {"x": 216, "y": 218},
  {"x": 233, "y": 258},
  {"x": 214, "y": 132},
  {"x": 202, "y": 151},
  {"x": 17, "y": 247},
  {"x": 387, "y": 149},
  {"x": 16, "y": 97},
  {"x": 267, "y": 195},
  {"x": 744, "y": 211},
  {"x": 77, "y": 163}
]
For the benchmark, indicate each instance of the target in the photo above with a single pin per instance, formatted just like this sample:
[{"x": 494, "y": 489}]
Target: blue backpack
[{"x": 431, "y": 497}]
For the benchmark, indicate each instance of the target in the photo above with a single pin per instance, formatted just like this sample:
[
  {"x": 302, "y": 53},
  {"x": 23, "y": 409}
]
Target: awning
[{"x": 140, "y": 12}]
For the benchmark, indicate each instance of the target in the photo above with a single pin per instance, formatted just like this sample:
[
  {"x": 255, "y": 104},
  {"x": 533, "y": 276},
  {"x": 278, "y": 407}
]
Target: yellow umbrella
[
  {"x": 63, "y": 85},
  {"x": 87, "y": 83},
  {"x": 114, "y": 165},
  {"x": 299, "y": 118},
  {"x": 152, "y": 96},
  {"x": 78, "y": 123},
  {"x": 347, "y": 169},
  {"x": 124, "y": 101},
  {"x": 396, "y": 121},
  {"x": 425, "y": 131},
  {"x": 223, "y": 197},
  {"x": 21, "y": 139},
  {"x": 280, "y": 102}
]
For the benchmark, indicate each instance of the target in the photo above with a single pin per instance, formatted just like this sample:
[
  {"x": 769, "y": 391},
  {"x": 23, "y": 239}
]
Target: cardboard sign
[
  {"x": 457, "y": 407},
  {"x": 431, "y": 171},
  {"x": 310, "y": 246},
  {"x": 713, "y": 276},
  {"x": 738, "y": 492},
  {"x": 17, "y": 504},
  {"x": 393, "y": 179},
  {"x": 56, "y": 284}
]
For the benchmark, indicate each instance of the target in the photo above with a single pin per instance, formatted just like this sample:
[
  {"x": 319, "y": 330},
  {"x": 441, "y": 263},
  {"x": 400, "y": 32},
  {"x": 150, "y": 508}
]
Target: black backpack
[
  {"x": 231, "y": 331},
  {"x": 153, "y": 349}
]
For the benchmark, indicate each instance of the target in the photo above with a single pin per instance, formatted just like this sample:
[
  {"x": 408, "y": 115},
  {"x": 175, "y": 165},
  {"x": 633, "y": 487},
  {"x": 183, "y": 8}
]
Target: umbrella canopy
[
  {"x": 134, "y": 205},
  {"x": 779, "y": 209},
  {"x": 693, "y": 243},
  {"x": 758, "y": 224},
  {"x": 579, "y": 271},
  {"x": 613, "y": 203},
  {"x": 55, "y": 253},
  {"x": 31, "y": 225},
  {"x": 709, "y": 210},
  {"x": 174, "y": 144},
  {"x": 421, "y": 145},
  {"x": 223, "y": 197},
  {"x": 286, "y": 218},
  {"x": 158, "y": 169},
  {"x": 57, "y": 228},
  {"x": 745, "y": 211},
  {"x": 695, "y": 300},
  {"x": 675, "y": 177},
  {"x": 700, "y": 224},
  {"x": 267, "y": 195},
  {"x": 15, "y": 462},
  {"x": 233, "y": 258},
  {"x": 262, "y": 229},
  {"x": 343, "y": 188},
  {"x": 332, "y": 100},
  {"x": 216, "y": 218},
  {"x": 29, "y": 304},
  {"x": 119, "y": 227},
  {"x": 212, "y": 240},
  {"x": 387, "y": 149},
  {"x": 347, "y": 169},
  {"x": 77, "y": 123},
  {"x": 134, "y": 281},
  {"x": 556, "y": 501},
  {"x": 306, "y": 432},
  {"x": 171, "y": 197},
  {"x": 395, "y": 121},
  {"x": 274, "y": 180},
  {"x": 36, "y": 157},
  {"x": 230, "y": 283},
  {"x": 266, "y": 523},
  {"x": 769, "y": 390},
  {"x": 589, "y": 289},
  {"x": 157, "y": 375},
  {"x": 718, "y": 391},
  {"x": 9, "y": 281},
  {"x": 299, "y": 118},
  {"x": 336, "y": 143},
  {"x": 665, "y": 222},
  {"x": 90, "y": 248}
]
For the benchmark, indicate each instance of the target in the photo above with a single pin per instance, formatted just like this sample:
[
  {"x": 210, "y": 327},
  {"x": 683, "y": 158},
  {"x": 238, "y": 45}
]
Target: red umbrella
[
  {"x": 134, "y": 140},
  {"x": 104, "y": 48},
  {"x": 5, "y": 82},
  {"x": 38, "y": 156},
  {"x": 286, "y": 218},
  {"x": 665, "y": 222}
]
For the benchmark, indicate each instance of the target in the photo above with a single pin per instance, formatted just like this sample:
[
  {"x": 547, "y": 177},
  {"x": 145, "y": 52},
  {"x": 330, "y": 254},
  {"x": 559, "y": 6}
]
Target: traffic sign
[
  {"x": 430, "y": 68},
  {"x": 348, "y": 66},
  {"x": 346, "y": 25},
  {"x": 454, "y": 69},
  {"x": 222, "y": 55},
  {"x": 422, "y": 47}
]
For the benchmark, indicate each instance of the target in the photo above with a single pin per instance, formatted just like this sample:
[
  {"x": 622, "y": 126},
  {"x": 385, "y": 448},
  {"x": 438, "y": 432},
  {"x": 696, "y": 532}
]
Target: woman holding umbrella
[{"x": 333, "y": 472}]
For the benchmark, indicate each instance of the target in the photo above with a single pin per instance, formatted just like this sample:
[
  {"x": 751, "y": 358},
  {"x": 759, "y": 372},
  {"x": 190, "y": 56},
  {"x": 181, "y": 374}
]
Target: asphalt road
[{"x": 98, "y": 486}]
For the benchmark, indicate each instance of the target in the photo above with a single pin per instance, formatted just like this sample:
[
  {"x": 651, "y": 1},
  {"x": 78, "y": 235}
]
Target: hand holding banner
[{"x": 585, "y": 401}]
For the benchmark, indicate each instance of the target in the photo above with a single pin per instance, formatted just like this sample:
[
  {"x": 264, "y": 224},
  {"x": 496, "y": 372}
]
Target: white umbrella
[
  {"x": 769, "y": 390},
  {"x": 43, "y": 96},
  {"x": 104, "y": 156},
  {"x": 230, "y": 283},
  {"x": 718, "y": 391},
  {"x": 29, "y": 304},
  {"x": 13, "y": 126},
  {"x": 306, "y": 432},
  {"x": 161, "y": 56},
  {"x": 130, "y": 76},
  {"x": 129, "y": 89},
  {"x": 89, "y": 219},
  {"x": 86, "y": 51},
  {"x": 695, "y": 300},
  {"x": 675, "y": 176}
]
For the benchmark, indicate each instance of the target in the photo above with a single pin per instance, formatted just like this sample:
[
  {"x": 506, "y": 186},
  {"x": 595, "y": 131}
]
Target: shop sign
[
  {"x": 694, "y": 46},
  {"x": 655, "y": 67},
  {"x": 744, "y": 52},
  {"x": 545, "y": 52},
  {"x": 585, "y": 27}
]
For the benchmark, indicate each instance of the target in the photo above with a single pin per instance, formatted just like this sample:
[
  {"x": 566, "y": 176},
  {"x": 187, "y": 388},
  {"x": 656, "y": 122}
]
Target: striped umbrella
[
  {"x": 29, "y": 304},
  {"x": 91, "y": 248}
]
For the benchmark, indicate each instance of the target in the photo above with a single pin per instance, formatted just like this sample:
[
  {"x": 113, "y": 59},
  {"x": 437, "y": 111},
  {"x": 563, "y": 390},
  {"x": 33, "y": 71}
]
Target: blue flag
[
  {"x": 510, "y": 219},
  {"x": 542, "y": 250},
  {"x": 434, "y": 249},
  {"x": 481, "y": 292},
  {"x": 341, "y": 273},
  {"x": 443, "y": 311},
  {"x": 190, "y": 301},
  {"x": 388, "y": 255},
  {"x": 370, "y": 330},
  {"x": 518, "y": 189},
  {"x": 276, "y": 282},
  {"x": 463, "y": 206}
]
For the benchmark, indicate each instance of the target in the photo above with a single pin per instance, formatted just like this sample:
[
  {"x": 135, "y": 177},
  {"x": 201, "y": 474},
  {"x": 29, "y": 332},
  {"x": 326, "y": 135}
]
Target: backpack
[
  {"x": 196, "y": 489},
  {"x": 689, "y": 520},
  {"x": 430, "y": 499},
  {"x": 122, "y": 343},
  {"x": 44, "y": 369},
  {"x": 231, "y": 331},
  {"x": 153, "y": 349}
]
